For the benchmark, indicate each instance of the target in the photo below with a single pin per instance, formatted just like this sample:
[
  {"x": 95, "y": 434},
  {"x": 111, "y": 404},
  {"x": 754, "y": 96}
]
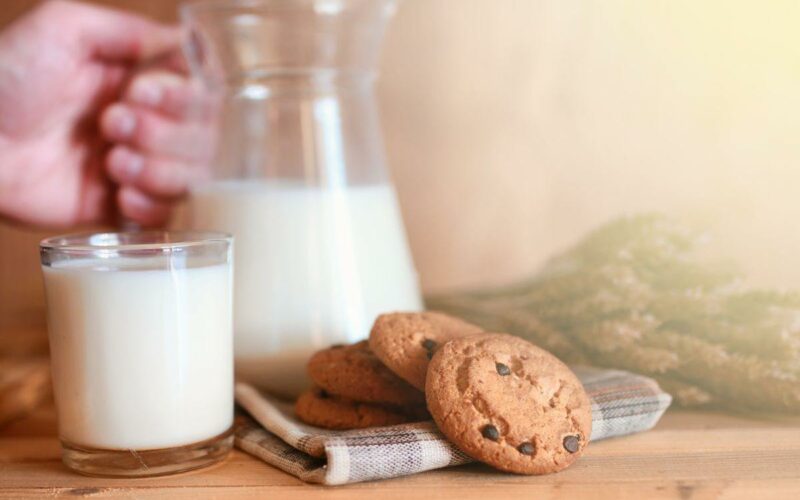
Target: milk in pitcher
[{"x": 314, "y": 266}]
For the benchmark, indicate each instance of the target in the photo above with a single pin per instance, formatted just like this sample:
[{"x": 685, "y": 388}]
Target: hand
[
  {"x": 85, "y": 135},
  {"x": 163, "y": 140}
]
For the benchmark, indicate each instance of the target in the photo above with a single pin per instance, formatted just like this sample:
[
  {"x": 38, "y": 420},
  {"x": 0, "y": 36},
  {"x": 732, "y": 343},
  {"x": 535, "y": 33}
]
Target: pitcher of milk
[{"x": 300, "y": 178}]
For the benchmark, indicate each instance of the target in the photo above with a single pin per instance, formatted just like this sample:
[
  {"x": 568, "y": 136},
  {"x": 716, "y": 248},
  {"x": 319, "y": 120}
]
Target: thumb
[{"x": 113, "y": 34}]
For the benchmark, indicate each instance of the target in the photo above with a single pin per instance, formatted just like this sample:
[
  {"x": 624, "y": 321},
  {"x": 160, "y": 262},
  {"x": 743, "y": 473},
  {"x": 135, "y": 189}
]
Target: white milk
[
  {"x": 142, "y": 357},
  {"x": 312, "y": 267}
]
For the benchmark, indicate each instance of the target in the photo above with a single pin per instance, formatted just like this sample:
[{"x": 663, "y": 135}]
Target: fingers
[
  {"x": 110, "y": 33},
  {"x": 142, "y": 208},
  {"x": 157, "y": 176},
  {"x": 163, "y": 138},
  {"x": 155, "y": 134},
  {"x": 172, "y": 95},
  {"x": 164, "y": 113}
]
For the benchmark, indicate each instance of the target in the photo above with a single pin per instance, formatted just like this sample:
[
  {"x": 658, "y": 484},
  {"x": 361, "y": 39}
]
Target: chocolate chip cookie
[
  {"x": 317, "y": 407},
  {"x": 405, "y": 342},
  {"x": 508, "y": 403},
  {"x": 354, "y": 372}
]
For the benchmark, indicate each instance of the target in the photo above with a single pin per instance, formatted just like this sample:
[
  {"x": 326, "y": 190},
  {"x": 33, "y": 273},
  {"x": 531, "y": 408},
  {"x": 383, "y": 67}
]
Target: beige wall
[{"x": 514, "y": 126}]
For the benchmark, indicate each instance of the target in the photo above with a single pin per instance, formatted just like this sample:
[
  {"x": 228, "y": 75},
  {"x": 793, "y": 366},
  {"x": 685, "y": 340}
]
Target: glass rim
[{"x": 132, "y": 240}]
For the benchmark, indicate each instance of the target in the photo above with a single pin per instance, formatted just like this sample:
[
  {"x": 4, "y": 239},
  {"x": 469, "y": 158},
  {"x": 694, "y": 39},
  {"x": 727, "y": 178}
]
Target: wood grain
[
  {"x": 24, "y": 385},
  {"x": 24, "y": 373},
  {"x": 689, "y": 455}
]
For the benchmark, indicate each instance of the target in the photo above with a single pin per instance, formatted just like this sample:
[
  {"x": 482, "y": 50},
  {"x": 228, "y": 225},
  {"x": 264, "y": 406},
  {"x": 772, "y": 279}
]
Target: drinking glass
[{"x": 141, "y": 344}]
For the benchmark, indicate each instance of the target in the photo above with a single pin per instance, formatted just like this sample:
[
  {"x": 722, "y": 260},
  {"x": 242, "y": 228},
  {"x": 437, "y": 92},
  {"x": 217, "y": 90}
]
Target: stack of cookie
[
  {"x": 353, "y": 389},
  {"x": 380, "y": 382},
  {"x": 497, "y": 397}
]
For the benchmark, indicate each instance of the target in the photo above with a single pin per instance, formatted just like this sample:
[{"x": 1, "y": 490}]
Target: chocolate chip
[
  {"x": 490, "y": 432},
  {"x": 572, "y": 443},
  {"x": 323, "y": 394},
  {"x": 526, "y": 448},
  {"x": 429, "y": 354},
  {"x": 429, "y": 344},
  {"x": 502, "y": 369}
]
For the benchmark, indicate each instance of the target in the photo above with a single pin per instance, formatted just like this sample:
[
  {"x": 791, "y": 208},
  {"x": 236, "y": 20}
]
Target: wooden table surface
[{"x": 689, "y": 455}]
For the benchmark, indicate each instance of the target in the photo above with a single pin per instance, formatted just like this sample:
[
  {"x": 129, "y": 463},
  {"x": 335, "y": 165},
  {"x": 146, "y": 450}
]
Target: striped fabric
[{"x": 622, "y": 403}]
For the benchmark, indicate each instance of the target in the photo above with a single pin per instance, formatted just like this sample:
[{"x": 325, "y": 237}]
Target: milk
[
  {"x": 313, "y": 267},
  {"x": 141, "y": 355}
]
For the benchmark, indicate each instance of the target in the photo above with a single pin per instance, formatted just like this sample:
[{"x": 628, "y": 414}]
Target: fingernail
[
  {"x": 126, "y": 165},
  {"x": 122, "y": 122},
  {"x": 146, "y": 92}
]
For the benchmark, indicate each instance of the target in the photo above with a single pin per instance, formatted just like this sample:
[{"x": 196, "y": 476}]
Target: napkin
[{"x": 622, "y": 403}]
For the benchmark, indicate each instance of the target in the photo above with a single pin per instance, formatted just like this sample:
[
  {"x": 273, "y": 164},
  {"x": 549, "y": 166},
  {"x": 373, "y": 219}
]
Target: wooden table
[{"x": 689, "y": 455}]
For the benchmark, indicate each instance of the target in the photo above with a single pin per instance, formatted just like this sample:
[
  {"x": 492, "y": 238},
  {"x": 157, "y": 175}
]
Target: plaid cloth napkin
[{"x": 622, "y": 403}]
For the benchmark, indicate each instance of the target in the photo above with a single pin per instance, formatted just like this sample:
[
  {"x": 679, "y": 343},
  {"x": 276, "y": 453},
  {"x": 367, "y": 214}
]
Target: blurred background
[{"x": 515, "y": 126}]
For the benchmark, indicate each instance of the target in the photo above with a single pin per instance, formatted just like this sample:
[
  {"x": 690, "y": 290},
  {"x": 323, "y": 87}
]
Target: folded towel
[{"x": 622, "y": 403}]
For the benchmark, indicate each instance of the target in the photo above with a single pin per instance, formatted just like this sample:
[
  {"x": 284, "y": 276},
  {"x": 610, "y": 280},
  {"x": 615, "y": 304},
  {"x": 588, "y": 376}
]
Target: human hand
[
  {"x": 85, "y": 136},
  {"x": 162, "y": 140}
]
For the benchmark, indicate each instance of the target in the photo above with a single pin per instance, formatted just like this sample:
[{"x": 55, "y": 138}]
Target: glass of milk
[
  {"x": 141, "y": 345},
  {"x": 300, "y": 177}
]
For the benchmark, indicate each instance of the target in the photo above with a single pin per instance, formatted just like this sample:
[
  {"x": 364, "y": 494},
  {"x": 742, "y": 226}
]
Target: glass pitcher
[{"x": 299, "y": 178}]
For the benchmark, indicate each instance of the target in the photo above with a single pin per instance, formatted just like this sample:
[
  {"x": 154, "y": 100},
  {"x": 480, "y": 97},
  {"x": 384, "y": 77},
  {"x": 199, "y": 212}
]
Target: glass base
[{"x": 146, "y": 463}]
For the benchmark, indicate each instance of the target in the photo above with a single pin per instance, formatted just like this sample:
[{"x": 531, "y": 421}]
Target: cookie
[
  {"x": 405, "y": 342},
  {"x": 354, "y": 372},
  {"x": 508, "y": 403},
  {"x": 317, "y": 407}
]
